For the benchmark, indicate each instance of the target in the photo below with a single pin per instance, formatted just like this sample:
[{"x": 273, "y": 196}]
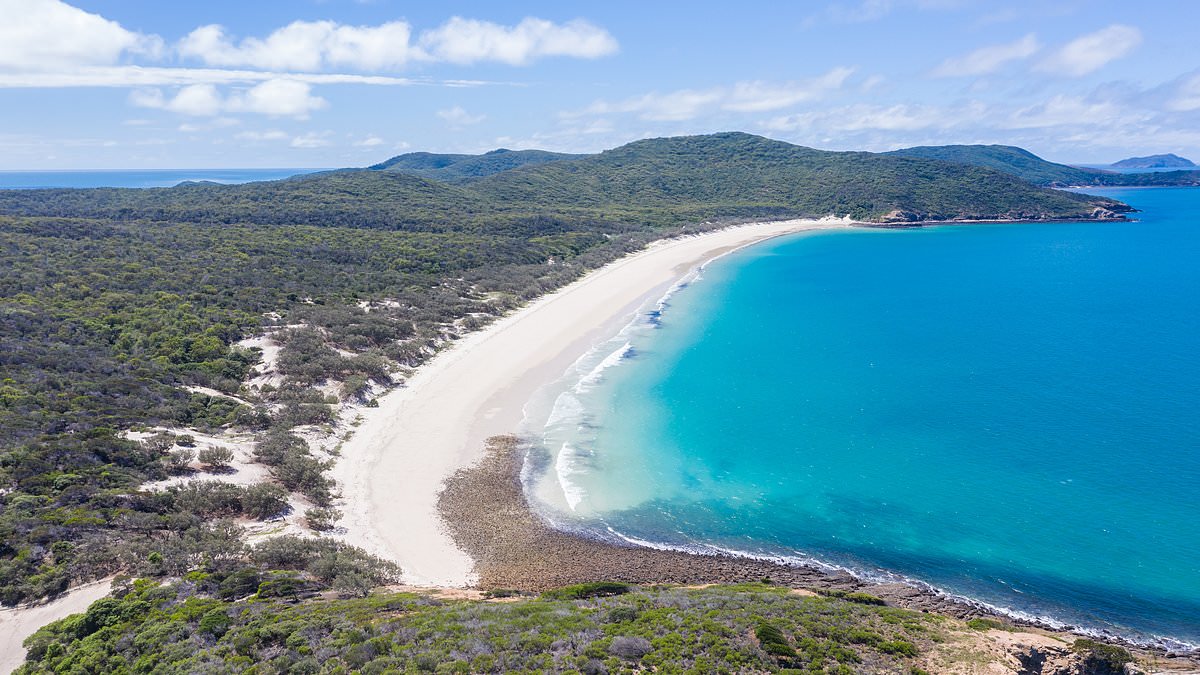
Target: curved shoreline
[
  {"x": 489, "y": 515},
  {"x": 394, "y": 465}
]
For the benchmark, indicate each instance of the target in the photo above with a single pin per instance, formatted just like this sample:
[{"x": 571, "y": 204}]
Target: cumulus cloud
[
  {"x": 305, "y": 45},
  {"x": 277, "y": 98},
  {"x": 316, "y": 45},
  {"x": 369, "y": 142},
  {"x": 988, "y": 59},
  {"x": 41, "y": 35},
  {"x": 458, "y": 117},
  {"x": 1089, "y": 53},
  {"x": 466, "y": 41},
  {"x": 755, "y": 96}
]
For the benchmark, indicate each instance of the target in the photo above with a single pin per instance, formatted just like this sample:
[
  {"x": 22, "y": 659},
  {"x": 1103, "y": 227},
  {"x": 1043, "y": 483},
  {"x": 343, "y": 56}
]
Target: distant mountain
[
  {"x": 462, "y": 168},
  {"x": 1030, "y": 167},
  {"x": 1167, "y": 161}
]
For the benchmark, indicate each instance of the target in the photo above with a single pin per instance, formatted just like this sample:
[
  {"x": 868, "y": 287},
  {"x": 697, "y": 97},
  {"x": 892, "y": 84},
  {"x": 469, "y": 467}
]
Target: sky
[{"x": 94, "y": 84}]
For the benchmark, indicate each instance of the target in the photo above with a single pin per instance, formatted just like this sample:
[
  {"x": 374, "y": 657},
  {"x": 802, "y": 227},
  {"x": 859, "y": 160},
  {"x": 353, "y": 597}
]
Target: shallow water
[{"x": 1007, "y": 412}]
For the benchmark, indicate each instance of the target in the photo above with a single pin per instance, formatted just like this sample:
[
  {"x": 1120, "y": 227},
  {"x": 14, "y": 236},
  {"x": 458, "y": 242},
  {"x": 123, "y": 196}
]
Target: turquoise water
[
  {"x": 137, "y": 178},
  {"x": 1007, "y": 412}
]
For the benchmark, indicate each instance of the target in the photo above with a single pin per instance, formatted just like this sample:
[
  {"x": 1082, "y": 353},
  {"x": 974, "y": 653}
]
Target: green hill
[
  {"x": 1030, "y": 167},
  {"x": 737, "y": 174},
  {"x": 461, "y": 168}
]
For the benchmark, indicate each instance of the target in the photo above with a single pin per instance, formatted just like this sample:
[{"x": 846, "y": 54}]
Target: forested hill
[
  {"x": 655, "y": 182},
  {"x": 460, "y": 168},
  {"x": 1030, "y": 167}
]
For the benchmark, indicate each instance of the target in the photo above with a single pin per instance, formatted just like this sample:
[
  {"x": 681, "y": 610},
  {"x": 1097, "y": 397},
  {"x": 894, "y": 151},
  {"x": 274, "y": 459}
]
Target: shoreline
[
  {"x": 394, "y": 465},
  {"x": 489, "y": 515}
]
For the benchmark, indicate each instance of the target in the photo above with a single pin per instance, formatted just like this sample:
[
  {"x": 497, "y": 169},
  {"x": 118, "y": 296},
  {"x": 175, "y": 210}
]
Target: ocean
[
  {"x": 137, "y": 178},
  {"x": 1006, "y": 412}
]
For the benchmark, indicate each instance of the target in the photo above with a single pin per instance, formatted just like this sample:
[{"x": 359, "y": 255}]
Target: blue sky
[{"x": 324, "y": 83}]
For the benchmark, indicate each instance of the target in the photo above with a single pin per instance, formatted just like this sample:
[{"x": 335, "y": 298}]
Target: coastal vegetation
[{"x": 251, "y": 621}]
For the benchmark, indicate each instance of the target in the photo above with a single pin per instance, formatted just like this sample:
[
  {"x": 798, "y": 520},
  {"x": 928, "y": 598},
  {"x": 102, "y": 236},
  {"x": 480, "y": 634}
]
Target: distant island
[
  {"x": 1028, "y": 166},
  {"x": 1167, "y": 161}
]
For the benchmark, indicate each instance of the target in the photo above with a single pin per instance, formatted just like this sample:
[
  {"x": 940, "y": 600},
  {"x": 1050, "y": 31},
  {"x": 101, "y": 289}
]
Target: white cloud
[
  {"x": 41, "y": 35},
  {"x": 988, "y": 59},
  {"x": 1187, "y": 96},
  {"x": 467, "y": 41},
  {"x": 312, "y": 139},
  {"x": 369, "y": 142},
  {"x": 1070, "y": 111},
  {"x": 317, "y": 45},
  {"x": 457, "y": 117},
  {"x": 1091, "y": 52},
  {"x": 760, "y": 96},
  {"x": 865, "y": 117},
  {"x": 277, "y": 98},
  {"x": 269, "y": 135},
  {"x": 148, "y": 76},
  {"x": 306, "y": 45},
  {"x": 757, "y": 96}
]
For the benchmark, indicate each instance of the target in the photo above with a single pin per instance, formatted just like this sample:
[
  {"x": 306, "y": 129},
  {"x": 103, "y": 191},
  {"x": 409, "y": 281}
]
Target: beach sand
[
  {"x": 393, "y": 467},
  {"x": 18, "y": 623}
]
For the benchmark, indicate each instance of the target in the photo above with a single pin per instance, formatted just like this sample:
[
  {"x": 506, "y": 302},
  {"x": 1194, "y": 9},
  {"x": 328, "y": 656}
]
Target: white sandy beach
[{"x": 394, "y": 465}]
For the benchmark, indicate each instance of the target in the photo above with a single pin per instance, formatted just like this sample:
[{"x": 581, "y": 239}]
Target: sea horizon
[{"x": 38, "y": 179}]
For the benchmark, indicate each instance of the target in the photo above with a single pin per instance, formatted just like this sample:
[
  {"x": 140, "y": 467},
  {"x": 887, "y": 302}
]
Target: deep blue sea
[
  {"x": 1010, "y": 413},
  {"x": 137, "y": 178}
]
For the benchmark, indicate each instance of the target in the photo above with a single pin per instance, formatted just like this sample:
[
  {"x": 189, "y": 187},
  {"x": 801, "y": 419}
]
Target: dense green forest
[
  {"x": 114, "y": 300},
  {"x": 250, "y": 622},
  {"x": 463, "y": 168},
  {"x": 1030, "y": 167}
]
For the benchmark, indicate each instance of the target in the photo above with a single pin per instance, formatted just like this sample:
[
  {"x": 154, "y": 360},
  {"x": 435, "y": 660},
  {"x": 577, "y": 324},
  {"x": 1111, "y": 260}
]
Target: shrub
[
  {"x": 215, "y": 457},
  {"x": 215, "y": 622},
  {"x": 1099, "y": 657},
  {"x": 239, "y": 584},
  {"x": 772, "y": 640},
  {"x": 851, "y": 596},
  {"x": 629, "y": 647},
  {"x": 322, "y": 519},
  {"x": 898, "y": 647},
  {"x": 179, "y": 460},
  {"x": 981, "y": 623},
  {"x": 264, "y": 500},
  {"x": 594, "y": 589}
]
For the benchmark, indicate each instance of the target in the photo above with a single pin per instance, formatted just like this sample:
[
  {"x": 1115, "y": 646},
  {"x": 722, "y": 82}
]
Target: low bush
[
  {"x": 1102, "y": 658},
  {"x": 594, "y": 589}
]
